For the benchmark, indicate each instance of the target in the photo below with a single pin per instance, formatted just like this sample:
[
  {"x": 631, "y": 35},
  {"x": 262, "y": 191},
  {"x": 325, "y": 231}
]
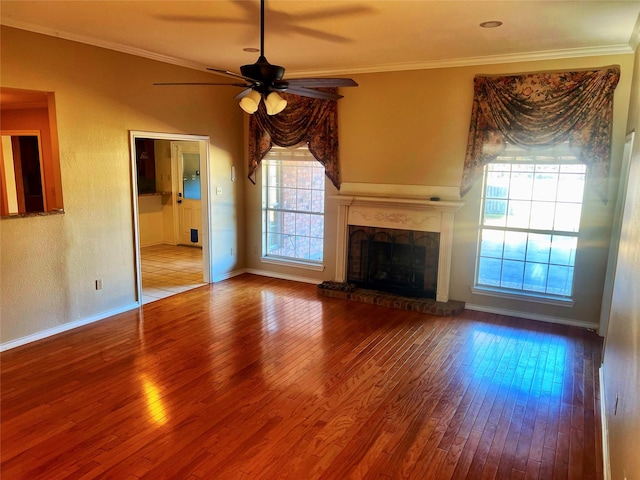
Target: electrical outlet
[
  {"x": 218, "y": 190},
  {"x": 232, "y": 251},
  {"x": 99, "y": 284}
]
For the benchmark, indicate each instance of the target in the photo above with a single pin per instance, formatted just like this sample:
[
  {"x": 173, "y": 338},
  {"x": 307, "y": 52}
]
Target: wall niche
[{"x": 30, "y": 162}]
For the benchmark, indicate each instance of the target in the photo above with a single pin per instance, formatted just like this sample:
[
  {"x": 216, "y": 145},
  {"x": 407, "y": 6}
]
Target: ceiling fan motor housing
[{"x": 266, "y": 75}]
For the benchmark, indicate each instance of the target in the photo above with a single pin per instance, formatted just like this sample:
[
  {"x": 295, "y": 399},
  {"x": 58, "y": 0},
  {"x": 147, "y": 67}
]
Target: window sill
[
  {"x": 293, "y": 263},
  {"x": 33, "y": 214},
  {"x": 527, "y": 297}
]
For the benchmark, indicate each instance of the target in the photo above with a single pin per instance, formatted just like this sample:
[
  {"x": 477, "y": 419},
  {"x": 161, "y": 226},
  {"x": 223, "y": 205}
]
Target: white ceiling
[{"x": 337, "y": 37}]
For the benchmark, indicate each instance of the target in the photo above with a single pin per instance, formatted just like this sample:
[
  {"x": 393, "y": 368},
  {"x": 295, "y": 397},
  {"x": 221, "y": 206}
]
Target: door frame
[
  {"x": 614, "y": 246},
  {"x": 207, "y": 240}
]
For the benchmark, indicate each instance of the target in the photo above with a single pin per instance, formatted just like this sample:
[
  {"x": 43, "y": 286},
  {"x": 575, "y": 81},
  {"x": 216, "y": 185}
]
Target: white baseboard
[
  {"x": 532, "y": 316},
  {"x": 228, "y": 275},
  {"x": 172, "y": 244},
  {"x": 65, "y": 327},
  {"x": 283, "y": 276},
  {"x": 606, "y": 466}
]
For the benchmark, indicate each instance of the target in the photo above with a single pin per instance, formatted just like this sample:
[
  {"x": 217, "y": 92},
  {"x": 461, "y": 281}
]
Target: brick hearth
[{"x": 348, "y": 291}]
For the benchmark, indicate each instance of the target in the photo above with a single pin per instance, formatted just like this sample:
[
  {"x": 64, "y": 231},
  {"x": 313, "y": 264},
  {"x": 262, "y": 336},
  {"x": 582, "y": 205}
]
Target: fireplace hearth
[{"x": 348, "y": 291}]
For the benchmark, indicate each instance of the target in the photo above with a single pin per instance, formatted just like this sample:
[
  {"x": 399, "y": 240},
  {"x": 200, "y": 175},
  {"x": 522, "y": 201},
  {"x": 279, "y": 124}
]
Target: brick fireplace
[{"x": 406, "y": 233}]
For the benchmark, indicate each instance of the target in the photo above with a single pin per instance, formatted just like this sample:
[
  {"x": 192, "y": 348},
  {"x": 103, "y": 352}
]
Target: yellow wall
[
  {"x": 621, "y": 368},
  {"x": 151, "y": 219},
  {"x": 405, "y": 128},
  {"x": 410, "y": 128},
  {"x": 49, "y": 264}
]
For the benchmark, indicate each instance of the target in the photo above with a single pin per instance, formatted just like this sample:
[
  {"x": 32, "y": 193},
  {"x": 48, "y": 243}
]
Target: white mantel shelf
[
  {"x": 441, "y": 205},
  {"x": 399, "y": 207}
]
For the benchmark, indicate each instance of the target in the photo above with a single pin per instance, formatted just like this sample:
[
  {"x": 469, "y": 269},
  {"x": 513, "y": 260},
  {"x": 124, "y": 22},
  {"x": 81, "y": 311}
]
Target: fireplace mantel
[{"x": 400, "y": 207}]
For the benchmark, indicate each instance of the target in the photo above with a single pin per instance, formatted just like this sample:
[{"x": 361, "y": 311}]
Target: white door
[{"x": 189, "y": 203}]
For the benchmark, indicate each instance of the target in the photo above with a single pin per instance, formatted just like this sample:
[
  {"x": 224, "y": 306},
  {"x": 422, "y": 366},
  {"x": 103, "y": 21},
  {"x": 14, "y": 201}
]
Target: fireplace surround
[{"x": 418, "y": 211}]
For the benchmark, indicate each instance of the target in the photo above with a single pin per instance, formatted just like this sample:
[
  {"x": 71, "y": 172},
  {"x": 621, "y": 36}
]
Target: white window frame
[
  {"x": 559, "y": 155},
  {"x": 278, "y": 154}
]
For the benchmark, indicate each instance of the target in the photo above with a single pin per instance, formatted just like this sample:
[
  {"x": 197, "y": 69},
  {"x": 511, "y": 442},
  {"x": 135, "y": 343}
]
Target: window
[
  {"x": 292, "y": 206},
  {"x": 530, "y": 219}
]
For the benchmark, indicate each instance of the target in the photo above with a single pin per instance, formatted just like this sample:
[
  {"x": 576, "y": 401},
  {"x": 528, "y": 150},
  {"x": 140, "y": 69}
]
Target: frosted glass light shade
[
  {"x": 249, "y": 103},
  {"x": 274, "y": 103}
]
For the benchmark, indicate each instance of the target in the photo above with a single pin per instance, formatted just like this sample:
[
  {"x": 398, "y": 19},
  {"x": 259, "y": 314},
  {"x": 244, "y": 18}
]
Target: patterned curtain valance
[
  {"x": 543, "y": 109},
  {"x": 304, "y": 121}
]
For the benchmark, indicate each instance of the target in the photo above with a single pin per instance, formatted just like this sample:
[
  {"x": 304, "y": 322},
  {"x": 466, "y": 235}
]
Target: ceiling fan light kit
[
  {"x": 274, "y": 103},
  {"x": 250, "y": 102},
  {"x": 262, "y": 79}
]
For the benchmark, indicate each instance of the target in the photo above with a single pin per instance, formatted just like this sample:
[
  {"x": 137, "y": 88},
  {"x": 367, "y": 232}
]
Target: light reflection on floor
[{"x": 522, "y": 363}]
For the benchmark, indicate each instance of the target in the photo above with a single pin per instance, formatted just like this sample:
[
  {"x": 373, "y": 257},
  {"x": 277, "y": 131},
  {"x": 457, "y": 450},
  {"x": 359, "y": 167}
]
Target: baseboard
[
  {"x": 65, "y": 327},
  {"x": 532, "y": 316},
  {"x": 606, "y": 466},
  {"x": 158, "y": 243},
  {"x": 228, "y": 275},
  {"x": 283, "y": 276}
]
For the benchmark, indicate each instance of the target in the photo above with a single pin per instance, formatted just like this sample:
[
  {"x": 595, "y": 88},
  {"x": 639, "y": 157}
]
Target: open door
[{"x": 188, "y": 190}]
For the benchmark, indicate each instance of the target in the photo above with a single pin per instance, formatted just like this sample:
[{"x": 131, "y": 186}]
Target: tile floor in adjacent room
[{"x": 169, "y": 269}]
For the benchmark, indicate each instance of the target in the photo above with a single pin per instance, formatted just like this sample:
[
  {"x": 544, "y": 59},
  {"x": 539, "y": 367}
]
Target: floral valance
[
  {"x": 304, "y": 121},
  {"x": 543, "y": 109}
]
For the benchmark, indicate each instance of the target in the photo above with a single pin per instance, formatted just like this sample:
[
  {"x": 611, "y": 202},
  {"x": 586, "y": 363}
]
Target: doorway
[{"x": 171, "y": 213}]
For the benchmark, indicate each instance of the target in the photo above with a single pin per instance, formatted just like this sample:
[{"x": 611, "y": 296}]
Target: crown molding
[
  {"x": 618, "y": 49},
  {"x": 118, "y": 47},
  {"x": 634, "y": 41}
]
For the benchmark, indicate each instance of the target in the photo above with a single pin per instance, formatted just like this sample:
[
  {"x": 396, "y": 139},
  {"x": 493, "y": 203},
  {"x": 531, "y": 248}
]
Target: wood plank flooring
[{"x": 257, "y": 378}]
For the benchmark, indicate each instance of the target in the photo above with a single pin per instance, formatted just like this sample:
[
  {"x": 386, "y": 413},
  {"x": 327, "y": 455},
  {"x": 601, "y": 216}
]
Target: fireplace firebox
[{"x": 404, "y": 262}]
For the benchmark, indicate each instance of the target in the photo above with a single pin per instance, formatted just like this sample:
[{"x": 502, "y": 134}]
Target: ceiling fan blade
[
  {"x": 320, "y": 35},
  {"x": 227, "y": 73},
  {"x": 243, "y": 93},
  {"x": 321, "y": 82},
  {"x": 162, "y": 84},
  {"x": 200, "y": 19},
  {"x": 351, "y": 10},
  {"x": 309, "y": 92}
]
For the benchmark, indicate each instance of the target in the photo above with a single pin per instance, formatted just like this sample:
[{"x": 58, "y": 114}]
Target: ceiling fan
[{"x": 264, "y": 80}]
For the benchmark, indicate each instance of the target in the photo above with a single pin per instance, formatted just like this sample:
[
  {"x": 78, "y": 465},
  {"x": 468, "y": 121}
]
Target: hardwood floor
[{"x": 257, "y": 378}]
